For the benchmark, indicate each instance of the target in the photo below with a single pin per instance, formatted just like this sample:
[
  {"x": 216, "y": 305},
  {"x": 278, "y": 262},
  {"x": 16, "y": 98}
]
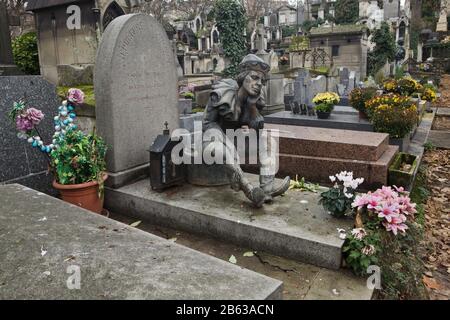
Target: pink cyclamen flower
[
  {"x": 400, "y": 189},
  {"x": 34, "y": 115},
  {"x": 75, "y": 95},
  {"x": 372, "y": 201},
  {"x": 395, "y": 227},
  {"x": 360, "y": 201},
  {"x": 406, "y": 206},
  {"x": 23, "y": 123},
  {"x": 387, "y": 211}
]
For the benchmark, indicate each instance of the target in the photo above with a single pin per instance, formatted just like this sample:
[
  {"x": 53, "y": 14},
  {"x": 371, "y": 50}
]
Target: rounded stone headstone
[{"x": 135, "y": 81}]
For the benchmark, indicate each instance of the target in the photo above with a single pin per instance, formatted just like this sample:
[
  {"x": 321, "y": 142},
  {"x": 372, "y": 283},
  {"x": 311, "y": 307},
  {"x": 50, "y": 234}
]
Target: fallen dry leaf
[{"x": 430, "y": 283}]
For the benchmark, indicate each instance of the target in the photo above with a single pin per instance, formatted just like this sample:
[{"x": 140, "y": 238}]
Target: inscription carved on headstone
[{"x": 135, "y": 82}]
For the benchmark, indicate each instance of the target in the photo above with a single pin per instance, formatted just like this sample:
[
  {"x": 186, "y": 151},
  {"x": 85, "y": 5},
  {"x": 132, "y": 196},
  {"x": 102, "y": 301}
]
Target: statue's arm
[{"x": 211, "y": 117}]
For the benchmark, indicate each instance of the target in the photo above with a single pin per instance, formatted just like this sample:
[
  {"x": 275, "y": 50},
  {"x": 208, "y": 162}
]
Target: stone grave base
[
  {"x": 294, "y": 226},
  {"x": 47, "y": 237},
  {"x": 317, "y": 153},
  {"x": 342, "y": 119}
]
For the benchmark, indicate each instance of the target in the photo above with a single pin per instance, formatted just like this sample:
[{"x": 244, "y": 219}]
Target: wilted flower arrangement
[{"x": 338, "y": 199}]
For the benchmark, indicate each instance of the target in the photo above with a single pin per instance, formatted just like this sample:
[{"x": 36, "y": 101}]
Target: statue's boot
[
  {"x": 254, "y": 194},
  {"x": 267, "y": 184}
]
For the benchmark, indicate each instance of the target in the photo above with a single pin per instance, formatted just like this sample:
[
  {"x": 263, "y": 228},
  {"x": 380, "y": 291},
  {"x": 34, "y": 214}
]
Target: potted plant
[
  {"x": 77, "y": 160},
  {"x": 325, "y": 102},
  {"x": 338, "y": 199},
  {"x": 358, "y": 98},
  {"x": 393, "y": 114},
  {"x": 323, "y": 110}
]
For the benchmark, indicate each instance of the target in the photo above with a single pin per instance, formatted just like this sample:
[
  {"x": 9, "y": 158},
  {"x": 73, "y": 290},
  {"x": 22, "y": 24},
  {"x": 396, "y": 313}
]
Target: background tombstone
[
  {"x": 135, "y": 82},
  {"x": 318, "y": 85},
  {"x": 274, "y": 94},
  {"x": 301, "y": 87},
  {"x": 7, "y": 66},
  {"x": 344, "y": 76}
]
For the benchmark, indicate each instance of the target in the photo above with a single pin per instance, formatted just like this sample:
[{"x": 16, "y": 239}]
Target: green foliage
[
  {"x": 231, "y": 23},
  {"x": 379, "y": 77},
  {"x": 346, "y": 11},
  {"x": 383, "y": 51},
  {"x": 288, "y": 31},
  {"x": 429, "y": 146},
  {"x": 299, "y": 43},
  {"x": 308, "y": 24},
  {"x": 302, "y": 185},
  {"x": 189, "y": 95},
  {"x": 354, "y": 255},
  {"x": 399, "y": 72},
  {"x": 25, "y": 52},
  {"x": 335, "y": 202},
  {"x": 324, "y": 107},
  {"x": 79, "y": 158},
  {"x": 401, "y": 266}
]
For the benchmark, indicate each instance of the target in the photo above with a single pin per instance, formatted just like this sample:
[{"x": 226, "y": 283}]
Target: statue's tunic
[{"x": 224, "y": 112}]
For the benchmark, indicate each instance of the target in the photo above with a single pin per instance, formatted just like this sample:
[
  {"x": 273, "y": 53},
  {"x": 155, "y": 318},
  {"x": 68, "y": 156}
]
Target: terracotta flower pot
[{"x": 84, "y": 195}]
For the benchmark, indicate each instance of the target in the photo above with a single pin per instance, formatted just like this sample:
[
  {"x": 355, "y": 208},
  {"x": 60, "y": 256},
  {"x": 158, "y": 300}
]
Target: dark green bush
[{"x": 25, "y": 53}]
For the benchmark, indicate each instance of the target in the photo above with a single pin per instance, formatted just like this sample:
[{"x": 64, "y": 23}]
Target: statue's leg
[
  {"x": 268, "y": 164},
  {"x": 236, "y": 175}
]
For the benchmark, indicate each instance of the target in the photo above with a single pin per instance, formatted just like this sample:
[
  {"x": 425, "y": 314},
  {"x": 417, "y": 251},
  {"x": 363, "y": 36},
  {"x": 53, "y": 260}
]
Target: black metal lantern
[{"x": 163, "y": 172}]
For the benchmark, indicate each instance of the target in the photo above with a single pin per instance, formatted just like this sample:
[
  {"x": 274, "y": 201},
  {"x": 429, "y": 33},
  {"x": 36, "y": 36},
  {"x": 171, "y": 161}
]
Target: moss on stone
[{"x": 88, "y": 90}]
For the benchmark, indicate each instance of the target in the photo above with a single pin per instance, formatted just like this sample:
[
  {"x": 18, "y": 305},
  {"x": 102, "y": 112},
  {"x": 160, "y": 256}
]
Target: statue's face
[{"x": 253, "y": 83}]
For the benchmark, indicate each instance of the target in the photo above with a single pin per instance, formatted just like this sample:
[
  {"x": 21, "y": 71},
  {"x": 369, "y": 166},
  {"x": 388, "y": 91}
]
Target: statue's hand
[{"x": 257, "y": 122}]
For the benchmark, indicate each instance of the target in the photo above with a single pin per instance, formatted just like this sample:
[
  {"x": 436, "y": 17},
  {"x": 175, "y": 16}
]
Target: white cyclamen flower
[
  {"x": 368, "y": 250},
  {"x": 332, "y": 178},
  {"x": 359, "y": 233}
]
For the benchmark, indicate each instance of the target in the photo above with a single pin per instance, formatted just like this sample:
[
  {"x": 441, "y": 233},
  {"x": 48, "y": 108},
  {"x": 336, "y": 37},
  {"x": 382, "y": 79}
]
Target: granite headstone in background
[
  {"x": 318, "y": 85},
  {"x": 7, "y": 66},
  {"x": 274, "y": 94},
  {"x": 301, "y": 87},
  {"x": 21, "y": 163},
  {"x": 136, "y": 91}
]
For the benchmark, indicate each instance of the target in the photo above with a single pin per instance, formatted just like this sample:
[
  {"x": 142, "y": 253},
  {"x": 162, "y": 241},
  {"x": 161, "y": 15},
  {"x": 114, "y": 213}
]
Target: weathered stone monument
[
  {"x": 301, "y": 87},
  {"x": 135, "y": 81},
  {"x": 7, "y": 66}
]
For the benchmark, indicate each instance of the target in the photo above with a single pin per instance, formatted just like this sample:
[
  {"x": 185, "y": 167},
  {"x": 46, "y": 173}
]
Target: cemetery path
[{"x": 436, "y": 241}]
